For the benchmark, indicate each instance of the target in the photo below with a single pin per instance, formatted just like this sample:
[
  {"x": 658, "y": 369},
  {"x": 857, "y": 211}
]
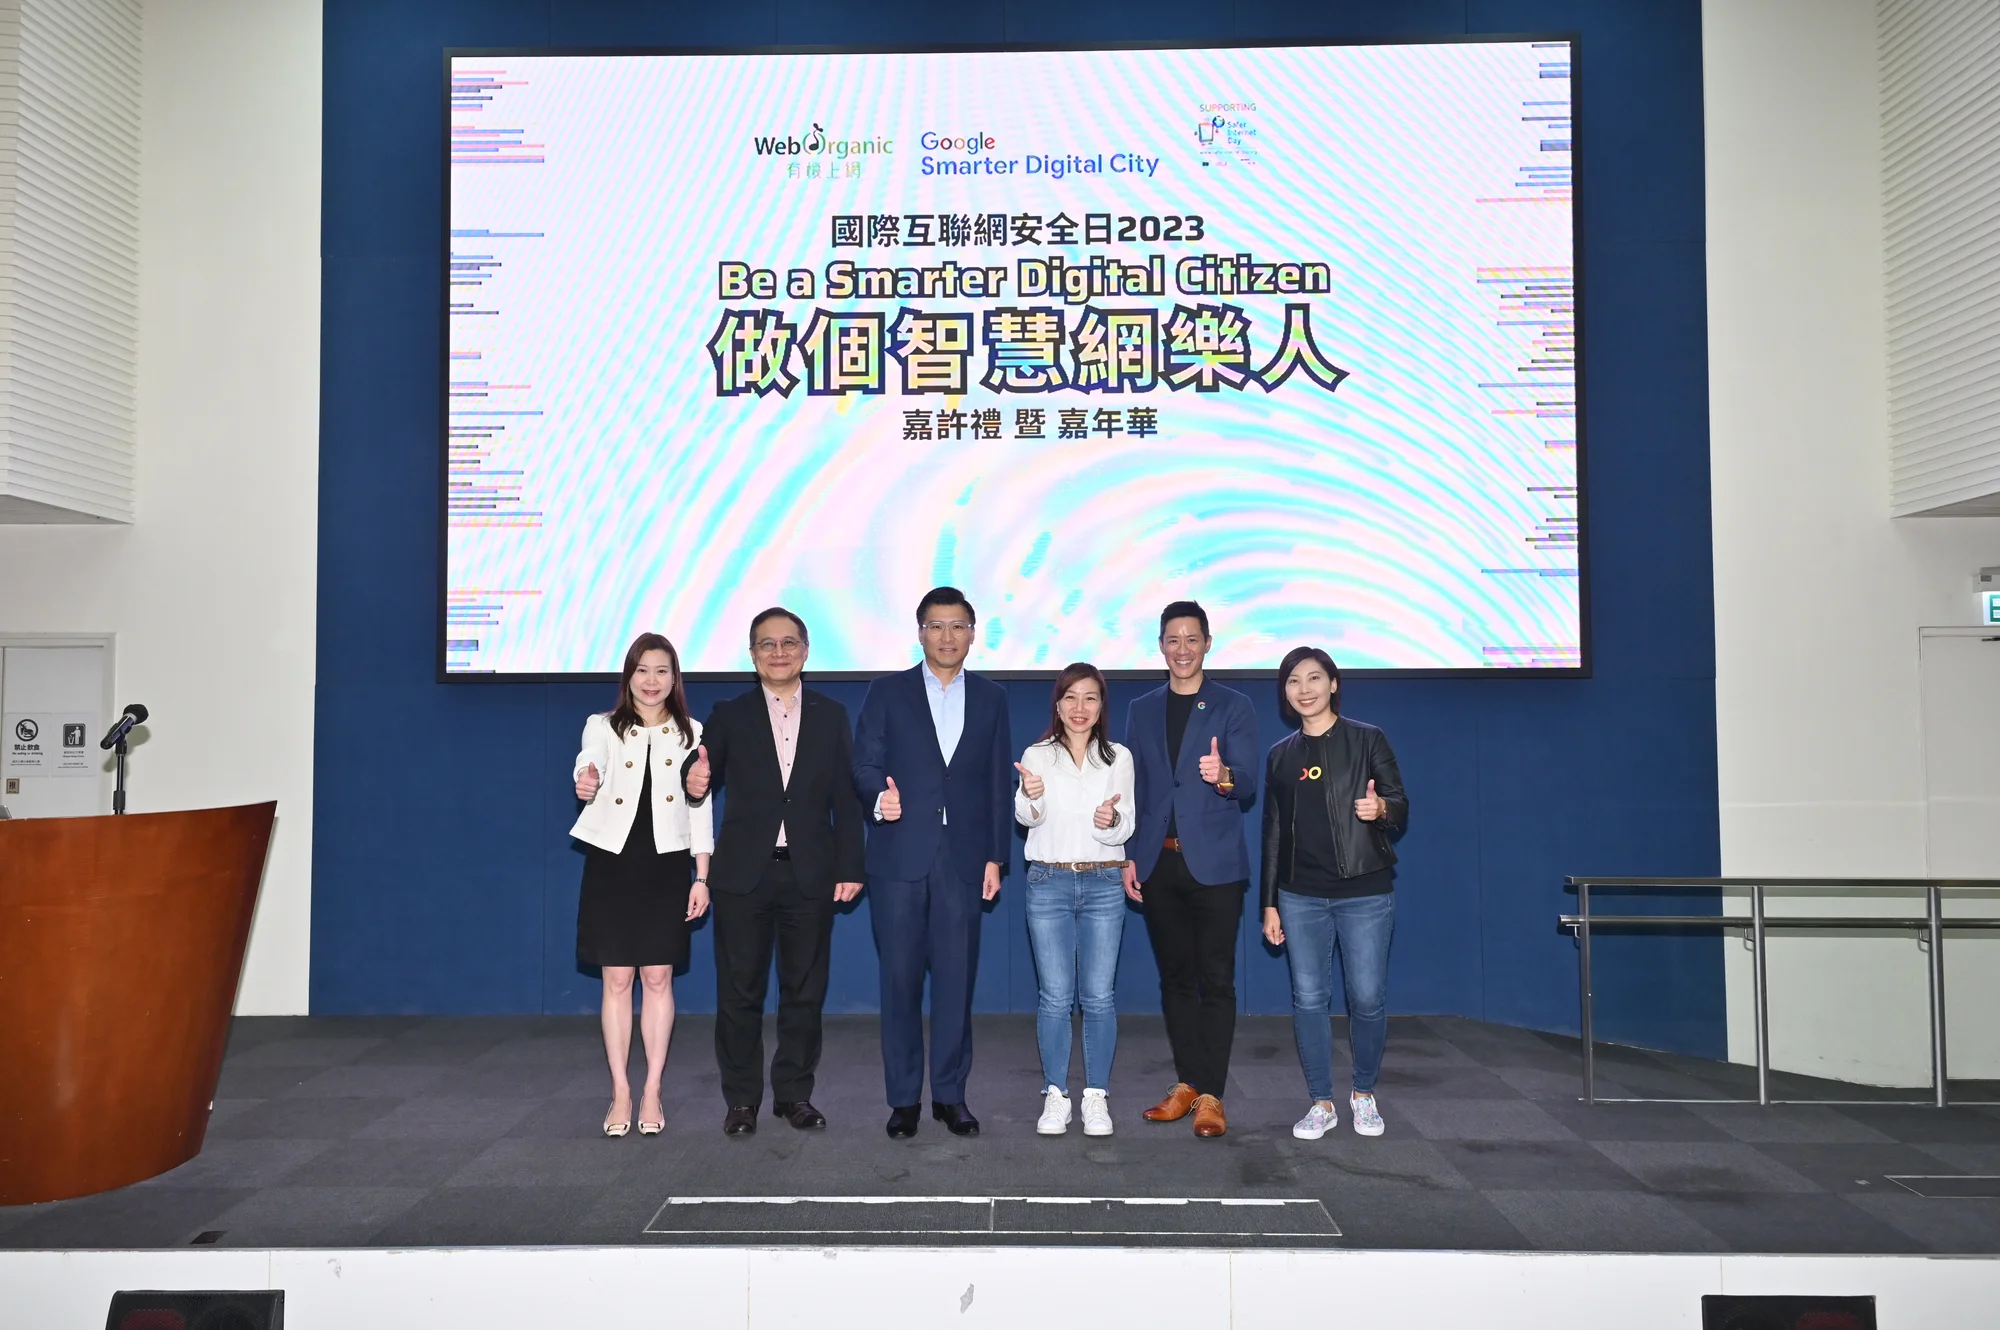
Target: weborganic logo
[{"x": 818, "y": 143}]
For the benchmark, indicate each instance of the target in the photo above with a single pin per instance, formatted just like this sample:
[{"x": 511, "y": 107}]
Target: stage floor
[{"x": 404, "y": 1132}]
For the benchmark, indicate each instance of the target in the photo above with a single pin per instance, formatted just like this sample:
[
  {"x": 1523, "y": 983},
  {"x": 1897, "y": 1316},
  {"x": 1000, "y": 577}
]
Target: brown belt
[
  {"x": 1172, "y": 843},
  {"x": 1083, "y": 868}
]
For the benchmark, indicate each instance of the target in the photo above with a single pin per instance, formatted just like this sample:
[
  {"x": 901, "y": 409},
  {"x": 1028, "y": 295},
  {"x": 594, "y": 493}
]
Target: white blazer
[{"x": 622, "y": 760}]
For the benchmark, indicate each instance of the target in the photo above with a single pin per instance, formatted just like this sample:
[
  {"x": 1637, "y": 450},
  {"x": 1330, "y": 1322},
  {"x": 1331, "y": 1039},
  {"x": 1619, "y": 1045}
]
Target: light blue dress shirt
[
  {"x": 947, "y": 717},
  {"x": 947, "y": 710}
]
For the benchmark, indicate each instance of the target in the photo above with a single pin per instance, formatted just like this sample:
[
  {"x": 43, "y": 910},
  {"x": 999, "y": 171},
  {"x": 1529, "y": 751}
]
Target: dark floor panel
[
  {"x": 435, "y": 1131},
  {"x": 1958, "y": 1228},
  {"x": 1601, "y": 1220},
  {"x": 1933, "y": 1187},
  {"x": 1565, "y": 1166},
  {"x": 1797, "y": 1224},
  {"x": 488, "y": 1217},
  {"x": 1682, "y": 1168},
  {"x": 1852, "y": 1169},
  {"x": 148, "y": 1215},
  {"x": 1633, "y": 1122},
  {"x": 1925, "y": 1125}
]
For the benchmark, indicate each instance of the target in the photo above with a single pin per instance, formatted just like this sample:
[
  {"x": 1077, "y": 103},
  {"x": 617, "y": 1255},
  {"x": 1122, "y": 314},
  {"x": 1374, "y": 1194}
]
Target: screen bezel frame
[{"x": 1585, "y": 667}]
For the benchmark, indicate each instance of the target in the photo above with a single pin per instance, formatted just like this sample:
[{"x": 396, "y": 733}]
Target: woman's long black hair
[
  {"x": 1100, "y": 734},
  {"x": 625, "y": 716}
]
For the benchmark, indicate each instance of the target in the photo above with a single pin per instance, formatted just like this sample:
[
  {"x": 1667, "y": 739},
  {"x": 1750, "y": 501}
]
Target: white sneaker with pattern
[
  {"x": 1055, "y": 1113},
  {"x": 1367, "y": 1118},
  {"x": 1318, "y": 1121},
  {"x": 1096, "y": 1113}
]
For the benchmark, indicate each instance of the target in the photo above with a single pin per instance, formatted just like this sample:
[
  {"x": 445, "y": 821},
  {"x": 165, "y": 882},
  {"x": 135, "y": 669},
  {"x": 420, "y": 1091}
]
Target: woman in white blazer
[{"x": 645, "y": 869}]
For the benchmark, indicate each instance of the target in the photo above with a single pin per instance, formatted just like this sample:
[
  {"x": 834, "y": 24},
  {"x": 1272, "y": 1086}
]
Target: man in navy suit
[
  {"x": 1195, "y": 757},
  {"x": 933, "y": 759}
]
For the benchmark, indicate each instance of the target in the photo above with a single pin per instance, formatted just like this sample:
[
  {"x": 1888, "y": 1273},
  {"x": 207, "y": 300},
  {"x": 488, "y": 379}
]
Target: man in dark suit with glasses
[
  {"x": 934, "y": 758},
  {"x": 788, "y": 849}
]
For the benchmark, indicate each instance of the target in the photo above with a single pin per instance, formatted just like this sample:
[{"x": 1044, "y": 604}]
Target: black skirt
[{"x": 633, "y": 910}]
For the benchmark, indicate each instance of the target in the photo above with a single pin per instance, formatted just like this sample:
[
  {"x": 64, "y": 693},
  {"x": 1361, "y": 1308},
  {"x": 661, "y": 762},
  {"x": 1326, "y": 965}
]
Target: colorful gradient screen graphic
[{"x": 1287, "y": 330}]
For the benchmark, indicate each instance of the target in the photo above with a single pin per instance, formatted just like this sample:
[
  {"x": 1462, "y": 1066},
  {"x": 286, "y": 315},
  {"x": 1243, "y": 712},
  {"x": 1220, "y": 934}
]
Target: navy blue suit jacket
[
  {"x": 1209, "y": 823},
  {"x": 894, "y": 736}
]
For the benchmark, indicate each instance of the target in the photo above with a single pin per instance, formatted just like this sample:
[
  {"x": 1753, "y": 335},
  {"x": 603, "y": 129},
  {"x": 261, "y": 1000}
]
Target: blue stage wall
[{"x": 442, "y": 878}]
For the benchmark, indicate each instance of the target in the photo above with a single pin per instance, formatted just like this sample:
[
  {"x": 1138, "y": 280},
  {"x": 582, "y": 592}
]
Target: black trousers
[
  {"x": 1193, "y": 929},
  {"x": 780, "y": 913}
]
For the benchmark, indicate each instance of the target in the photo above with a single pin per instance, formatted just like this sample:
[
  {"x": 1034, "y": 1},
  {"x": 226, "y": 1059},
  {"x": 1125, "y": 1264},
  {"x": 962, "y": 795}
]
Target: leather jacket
[{"x": 1356, "y": 754}]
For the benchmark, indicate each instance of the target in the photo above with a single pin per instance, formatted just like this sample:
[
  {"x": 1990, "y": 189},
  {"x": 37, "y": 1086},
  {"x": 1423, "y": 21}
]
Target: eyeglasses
[
  {"x": 770, "y": 646},
  {"x": 947, "y": 626}
]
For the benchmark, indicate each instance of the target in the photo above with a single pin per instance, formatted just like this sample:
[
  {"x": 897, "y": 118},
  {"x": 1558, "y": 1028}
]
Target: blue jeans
[
  {"x": 1076, "y": 919},
  {"x": 1360, "y": 927}
]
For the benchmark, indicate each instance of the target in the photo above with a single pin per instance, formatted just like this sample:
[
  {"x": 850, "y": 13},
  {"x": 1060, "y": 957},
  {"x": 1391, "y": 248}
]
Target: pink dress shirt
[{"x": 785, "y": 733}]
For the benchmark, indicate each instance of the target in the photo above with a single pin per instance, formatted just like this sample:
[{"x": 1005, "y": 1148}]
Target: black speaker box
[
  {"x": 1726, "y": 1311},
  {"x": 196, "y": 1311}
]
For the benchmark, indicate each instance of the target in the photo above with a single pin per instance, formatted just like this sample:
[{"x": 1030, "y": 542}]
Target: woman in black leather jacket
[{"x": 1333, "y": 795}]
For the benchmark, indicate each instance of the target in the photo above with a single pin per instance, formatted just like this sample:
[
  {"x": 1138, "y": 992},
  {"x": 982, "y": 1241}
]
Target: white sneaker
[
  {"x": 1055, "y": 1113},
  {"x": 1096, "y": 1113},
  {"x": 1367, "y": 1118},
  {"x": 1318, "y": 1121}
]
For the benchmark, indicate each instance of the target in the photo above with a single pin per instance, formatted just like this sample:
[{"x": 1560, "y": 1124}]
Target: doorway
[
  {"x": 1959, "y": 671},
  {"x": 55, "y": 703}
]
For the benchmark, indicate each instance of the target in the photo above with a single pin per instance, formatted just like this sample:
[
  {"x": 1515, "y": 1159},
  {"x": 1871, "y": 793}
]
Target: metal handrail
[{"x": 1933, "y": 924}]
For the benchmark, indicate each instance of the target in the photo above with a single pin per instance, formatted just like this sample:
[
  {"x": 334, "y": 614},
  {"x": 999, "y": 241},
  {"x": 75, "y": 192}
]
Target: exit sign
[{"x": 1989, "y": 605}]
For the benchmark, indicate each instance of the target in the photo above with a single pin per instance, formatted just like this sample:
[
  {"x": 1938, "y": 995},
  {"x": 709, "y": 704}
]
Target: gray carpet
[{"x": 450, "y": 1132}]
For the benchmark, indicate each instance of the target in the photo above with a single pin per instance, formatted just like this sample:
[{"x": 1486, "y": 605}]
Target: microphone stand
[{"x": 118, "y": 794}]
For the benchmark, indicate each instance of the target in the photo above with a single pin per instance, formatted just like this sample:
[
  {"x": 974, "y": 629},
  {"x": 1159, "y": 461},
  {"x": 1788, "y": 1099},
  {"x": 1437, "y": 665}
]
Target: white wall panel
[
  {"x": 210, "y": 591},
  {"x": 1940, "y": 72},
  {"x": 741, "y": 1288},
  {"x": 1819, "y": 591},
  {"x": 69, "y": 258}
]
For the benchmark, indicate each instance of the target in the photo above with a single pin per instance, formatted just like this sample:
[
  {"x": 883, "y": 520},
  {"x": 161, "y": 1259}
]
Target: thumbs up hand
[
  {"x": 1031, "y": 784},
  {"x": 890, "y": 806},
  {"x": 1211, "y": 763},
  {"x": 1106, "y": 816},
  {"x": 697, "y": 775},
  {"x": 1371, "y": 805},
  {"x": 587, "y": 782}
]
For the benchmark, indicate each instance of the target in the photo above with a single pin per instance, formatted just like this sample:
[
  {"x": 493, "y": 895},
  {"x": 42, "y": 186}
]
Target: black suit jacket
[{"x": 819, "y": 809}]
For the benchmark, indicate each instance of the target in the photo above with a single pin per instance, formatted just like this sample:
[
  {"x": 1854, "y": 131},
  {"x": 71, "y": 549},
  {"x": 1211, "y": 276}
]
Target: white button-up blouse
[{"x": 1061, "y": 824}]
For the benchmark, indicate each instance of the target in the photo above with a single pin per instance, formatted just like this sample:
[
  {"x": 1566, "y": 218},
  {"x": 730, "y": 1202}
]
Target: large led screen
[{"x": 1288, "y": 330}]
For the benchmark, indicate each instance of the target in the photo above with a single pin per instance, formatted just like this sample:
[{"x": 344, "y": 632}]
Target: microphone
[{"x": 134, "y": 715}]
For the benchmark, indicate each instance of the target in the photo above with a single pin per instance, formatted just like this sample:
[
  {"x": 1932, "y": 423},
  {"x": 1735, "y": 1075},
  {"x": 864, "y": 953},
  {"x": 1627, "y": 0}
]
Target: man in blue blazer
[
  {"x": 1195, "y": 757},
  {"x": 934, "y": 761}
]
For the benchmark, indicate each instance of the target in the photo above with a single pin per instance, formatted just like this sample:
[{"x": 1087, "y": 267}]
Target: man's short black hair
[
  {"x": 945, "y": 595},
  {"x": 779, "y": 612},
  {"x": 1184, "y": 609}
]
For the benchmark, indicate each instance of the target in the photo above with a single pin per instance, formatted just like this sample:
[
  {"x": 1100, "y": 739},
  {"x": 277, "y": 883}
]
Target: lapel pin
[{"x": 1201, "y": 706}]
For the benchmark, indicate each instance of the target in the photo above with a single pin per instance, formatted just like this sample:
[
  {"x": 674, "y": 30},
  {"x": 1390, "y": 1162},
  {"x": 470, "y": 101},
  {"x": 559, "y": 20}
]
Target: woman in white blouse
[
  {"x": 1076, "y": 801},
  {"x": 645, "y": 869}
]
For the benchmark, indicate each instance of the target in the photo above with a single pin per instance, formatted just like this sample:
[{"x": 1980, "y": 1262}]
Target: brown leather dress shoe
[
  {"x": 1208, "y": 1119},
  {"x": 1174, "y": 1107}
]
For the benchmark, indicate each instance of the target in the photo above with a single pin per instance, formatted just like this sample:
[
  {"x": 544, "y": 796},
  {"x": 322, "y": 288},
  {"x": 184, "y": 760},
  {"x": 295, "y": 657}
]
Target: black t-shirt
[
  {"x": 1180, "y": 706},
  {"x": 1315, "y": 857}
]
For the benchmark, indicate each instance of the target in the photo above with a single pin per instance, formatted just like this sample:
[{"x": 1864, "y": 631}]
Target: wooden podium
[{"x": 121, "y": 943}]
